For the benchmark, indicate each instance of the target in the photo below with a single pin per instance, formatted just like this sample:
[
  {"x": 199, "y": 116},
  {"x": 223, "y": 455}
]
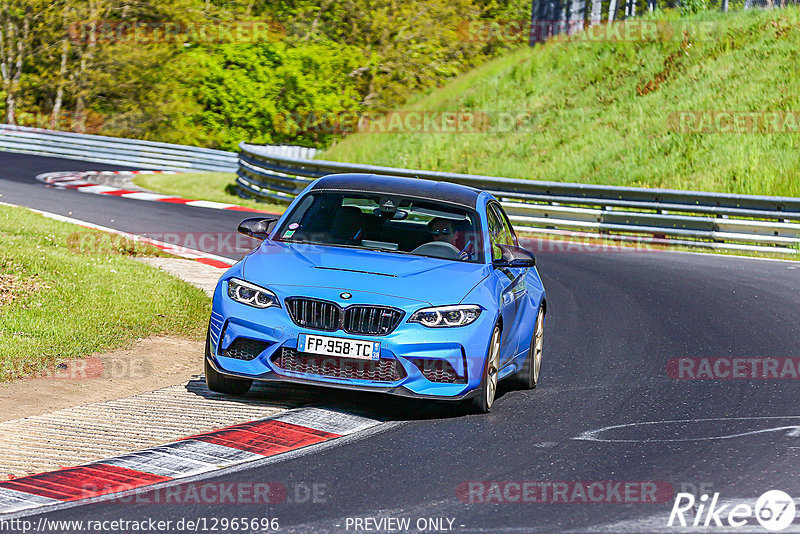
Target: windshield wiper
[
  {"x": 306, "y": 242},
  {"x": 358, "y": 247},
  {"x": 392, "y": 251}
]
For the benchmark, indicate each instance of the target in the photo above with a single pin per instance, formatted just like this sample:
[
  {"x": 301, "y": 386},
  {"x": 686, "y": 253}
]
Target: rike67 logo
[{"x": 774, "y": 510}]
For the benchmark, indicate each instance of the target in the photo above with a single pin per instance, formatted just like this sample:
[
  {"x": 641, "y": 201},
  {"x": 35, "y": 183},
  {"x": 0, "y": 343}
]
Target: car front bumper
[{"x": 462, "y": 348}]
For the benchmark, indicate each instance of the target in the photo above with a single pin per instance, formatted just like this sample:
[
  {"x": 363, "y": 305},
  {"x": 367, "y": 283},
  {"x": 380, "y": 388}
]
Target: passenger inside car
[{"x": 347, "y": 225}]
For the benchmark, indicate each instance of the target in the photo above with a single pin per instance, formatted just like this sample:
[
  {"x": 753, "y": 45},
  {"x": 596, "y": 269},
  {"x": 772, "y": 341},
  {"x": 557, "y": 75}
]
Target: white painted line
[
  {"x": 14, "y": 501},
  {"x": 712, "y": 432},
  {"x": 142, "y": 196},
  {"x": 170, "y": 247},
  {"x": 191, "y": 458},
  {"x": 157, "y": 463},
  {"x": 97, "y": 189},
  {"x": 182, "y": 252},
  {"x": 208, "y": 204},
  {"x": 62, "y": 182},
  {"x": 245, "y": 465},
  {"x": 327, "y": 420},
  {"x": 204, "y": 451},
  {"x": 182, "y": 458},
  {"x": 75, "y": 180}
]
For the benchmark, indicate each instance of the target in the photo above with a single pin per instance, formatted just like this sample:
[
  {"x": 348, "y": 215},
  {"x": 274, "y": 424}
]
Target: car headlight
[
  {"x": 252, "y": 295},
  {"x": 446, "y": 316}
]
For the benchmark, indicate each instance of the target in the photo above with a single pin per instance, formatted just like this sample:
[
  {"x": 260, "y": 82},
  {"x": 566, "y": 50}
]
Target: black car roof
[{"x": 397, "y": 185}]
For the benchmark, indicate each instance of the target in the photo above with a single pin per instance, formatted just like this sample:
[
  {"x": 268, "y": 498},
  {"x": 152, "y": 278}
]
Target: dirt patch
[
  {"x": 14, "y": 284},
  {"x": 782, "y": 27},
  {"x": 671, "y": 64},
  {"x": 145, "y": 365}
]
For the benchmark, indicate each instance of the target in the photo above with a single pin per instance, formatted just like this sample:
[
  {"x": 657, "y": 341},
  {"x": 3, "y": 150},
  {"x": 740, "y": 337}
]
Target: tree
[
  {"x": 15, "y": 47},
  {"x": 336, "y": 55}
]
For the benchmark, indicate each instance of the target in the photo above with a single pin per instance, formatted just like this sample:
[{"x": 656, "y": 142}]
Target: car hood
[{"x": 429, "y": 280}]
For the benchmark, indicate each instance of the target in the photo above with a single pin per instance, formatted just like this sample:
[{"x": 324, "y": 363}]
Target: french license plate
[{"x": 339, "y": 346}]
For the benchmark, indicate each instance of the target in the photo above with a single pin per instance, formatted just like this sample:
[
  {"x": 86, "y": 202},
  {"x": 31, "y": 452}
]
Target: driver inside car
[{"x": 443, "y": 230}]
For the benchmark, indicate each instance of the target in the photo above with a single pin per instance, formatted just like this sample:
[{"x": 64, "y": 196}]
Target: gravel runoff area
[
  {"x": 149, "y": 393},
  {"x": 198, "y": 274}
]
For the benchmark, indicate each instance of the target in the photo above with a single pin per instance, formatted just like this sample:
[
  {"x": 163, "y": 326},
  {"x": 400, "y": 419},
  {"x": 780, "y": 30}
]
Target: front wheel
[
  {"x": 482, "y": 403},
  {"x": 220, "y": 383}
]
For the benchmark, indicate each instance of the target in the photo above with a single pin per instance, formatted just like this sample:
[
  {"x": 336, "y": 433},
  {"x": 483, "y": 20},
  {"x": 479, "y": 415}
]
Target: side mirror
[
  {"x": 515, "y": 257},
  {"x": 256, "y": 227}
]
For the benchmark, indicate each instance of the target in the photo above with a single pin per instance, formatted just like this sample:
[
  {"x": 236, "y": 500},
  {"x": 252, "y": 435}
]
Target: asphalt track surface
[{"x": 614, "y": 320}]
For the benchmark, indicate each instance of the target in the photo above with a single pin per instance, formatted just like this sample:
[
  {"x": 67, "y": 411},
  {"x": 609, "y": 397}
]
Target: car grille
[
  {"x": 243, "y": 348},
  {"x": 313, "y": 313},
  {"x": 336, "y": 367},
  {"x": 371, "y": 319},
  {"x": 329, "y": 316},
  {"x": 439, "y": 371}
]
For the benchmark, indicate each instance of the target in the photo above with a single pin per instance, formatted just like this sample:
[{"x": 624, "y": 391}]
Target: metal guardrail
[
  {"x": 128, "y": 152},
  {"x": 660, "y": 216}
]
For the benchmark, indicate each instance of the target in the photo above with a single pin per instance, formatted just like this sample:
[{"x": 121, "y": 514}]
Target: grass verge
[
  {"x": 66, "y": 292},
  {"x": 604, "y": 112},
  {"x": 213, "y": 186}
]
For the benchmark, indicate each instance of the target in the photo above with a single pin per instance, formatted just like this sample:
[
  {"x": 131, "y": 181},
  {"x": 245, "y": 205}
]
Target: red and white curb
[
  {"x": 170, "y": 248},
  {"x": 203, "y": 453},
  {"x": 77, "y": 180}
]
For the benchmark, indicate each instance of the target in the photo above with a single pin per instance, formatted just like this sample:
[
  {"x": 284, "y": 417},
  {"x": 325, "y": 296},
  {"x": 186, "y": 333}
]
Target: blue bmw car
[{"x": 379, "y": 283}]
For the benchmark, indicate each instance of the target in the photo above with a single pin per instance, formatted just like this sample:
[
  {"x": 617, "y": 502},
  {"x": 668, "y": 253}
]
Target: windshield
[{"x": 384, "y": 222}]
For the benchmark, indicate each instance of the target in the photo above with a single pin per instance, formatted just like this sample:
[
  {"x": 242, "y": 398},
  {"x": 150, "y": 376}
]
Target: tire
[
  {"x": 528, "y": 376},
  {"x": 220, "y": 383},
  {"x": 483, "y": 402}
]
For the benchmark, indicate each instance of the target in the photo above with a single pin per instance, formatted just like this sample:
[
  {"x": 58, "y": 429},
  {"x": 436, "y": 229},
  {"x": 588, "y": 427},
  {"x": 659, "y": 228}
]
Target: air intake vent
[
  {"x": 335, "y": 367},
  {"x": 439, "y": 371},
  {"x": 244, "y": 348}
]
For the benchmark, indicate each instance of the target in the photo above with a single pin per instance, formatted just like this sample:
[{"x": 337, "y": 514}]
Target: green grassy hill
[{"x": 601, "y": 111}]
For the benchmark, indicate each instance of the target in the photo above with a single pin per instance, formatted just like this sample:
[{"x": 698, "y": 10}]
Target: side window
[
  {"x": 507, "y": 225},
  {"x": 503, "y": 233},
  {"x": 496, "y": 233}
]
